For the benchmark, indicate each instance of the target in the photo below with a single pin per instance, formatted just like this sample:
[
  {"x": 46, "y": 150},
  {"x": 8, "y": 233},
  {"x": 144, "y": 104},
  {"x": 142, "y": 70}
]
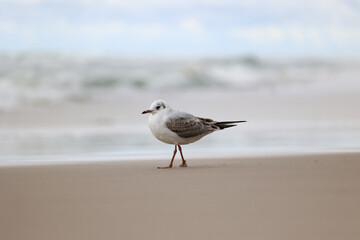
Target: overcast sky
[{"x": 183, "y": 27}]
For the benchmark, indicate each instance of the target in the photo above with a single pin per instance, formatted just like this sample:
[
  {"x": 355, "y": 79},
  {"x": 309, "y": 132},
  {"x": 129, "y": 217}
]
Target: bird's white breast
[{"x": 157, "y": 125}]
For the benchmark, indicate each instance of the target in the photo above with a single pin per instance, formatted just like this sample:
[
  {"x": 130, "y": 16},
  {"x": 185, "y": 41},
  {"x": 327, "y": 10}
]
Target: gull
[{"x": 178, "y": 128}]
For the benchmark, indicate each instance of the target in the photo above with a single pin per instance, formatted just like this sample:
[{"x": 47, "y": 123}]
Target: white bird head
[{"x": 156, "y": 106}]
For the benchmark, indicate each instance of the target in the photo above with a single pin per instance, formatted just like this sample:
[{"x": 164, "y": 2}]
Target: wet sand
[{"x": 276, "y": 197}]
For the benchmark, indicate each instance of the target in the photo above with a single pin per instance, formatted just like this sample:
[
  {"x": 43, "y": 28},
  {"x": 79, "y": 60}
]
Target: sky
[{"x": 319, "y": 28}]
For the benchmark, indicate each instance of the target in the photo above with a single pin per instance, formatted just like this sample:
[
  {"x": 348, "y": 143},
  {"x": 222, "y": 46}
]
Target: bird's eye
[{"x": 158, "y": 107}]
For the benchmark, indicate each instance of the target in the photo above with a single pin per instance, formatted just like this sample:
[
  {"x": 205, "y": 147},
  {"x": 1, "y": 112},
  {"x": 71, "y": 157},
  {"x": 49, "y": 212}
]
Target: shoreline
[{"x": 165, "y": 156}]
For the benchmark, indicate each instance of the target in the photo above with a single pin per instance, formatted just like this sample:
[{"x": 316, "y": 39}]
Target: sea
[{"x": 48, "y": 103}]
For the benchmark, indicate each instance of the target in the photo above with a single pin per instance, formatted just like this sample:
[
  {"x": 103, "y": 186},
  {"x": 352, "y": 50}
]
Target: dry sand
[{"x": 286, "y": 197}]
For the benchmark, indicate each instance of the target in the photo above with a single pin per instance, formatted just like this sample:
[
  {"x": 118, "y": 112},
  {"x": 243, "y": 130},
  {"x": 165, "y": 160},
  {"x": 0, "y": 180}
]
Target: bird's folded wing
[{"x": 188, "y": 126}]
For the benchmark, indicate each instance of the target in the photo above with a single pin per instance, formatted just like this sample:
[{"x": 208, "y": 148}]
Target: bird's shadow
[{"x": 199, "y": 166}]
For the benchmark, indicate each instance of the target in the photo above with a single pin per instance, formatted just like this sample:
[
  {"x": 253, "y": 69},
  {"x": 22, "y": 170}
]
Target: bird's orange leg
[
  {"x": 182, "y": 157},
  {"x": 171, "y": 163}
]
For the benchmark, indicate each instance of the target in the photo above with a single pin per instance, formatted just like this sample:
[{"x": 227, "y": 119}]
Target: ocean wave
[{"x": 30, "y": 78}]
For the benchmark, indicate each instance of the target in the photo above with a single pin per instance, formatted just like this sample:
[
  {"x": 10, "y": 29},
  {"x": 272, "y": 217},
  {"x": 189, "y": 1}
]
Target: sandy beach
[{"x": 286, "y": 197}]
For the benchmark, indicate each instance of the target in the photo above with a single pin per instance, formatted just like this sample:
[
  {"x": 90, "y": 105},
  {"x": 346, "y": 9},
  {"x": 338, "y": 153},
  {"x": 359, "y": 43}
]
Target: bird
[{"x": 178, "y": 128}]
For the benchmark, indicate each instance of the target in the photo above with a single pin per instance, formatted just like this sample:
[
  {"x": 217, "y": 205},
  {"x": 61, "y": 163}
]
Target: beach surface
[{"x": 302, "y": 196}]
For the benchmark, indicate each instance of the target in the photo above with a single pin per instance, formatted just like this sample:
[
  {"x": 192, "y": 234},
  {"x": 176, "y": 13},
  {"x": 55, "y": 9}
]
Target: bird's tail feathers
[{"x": 227, "y": 124}]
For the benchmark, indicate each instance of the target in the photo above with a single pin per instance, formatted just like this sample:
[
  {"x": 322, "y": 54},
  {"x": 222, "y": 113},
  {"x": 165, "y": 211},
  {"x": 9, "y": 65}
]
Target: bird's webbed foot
[{"x": 170, "y": 166}]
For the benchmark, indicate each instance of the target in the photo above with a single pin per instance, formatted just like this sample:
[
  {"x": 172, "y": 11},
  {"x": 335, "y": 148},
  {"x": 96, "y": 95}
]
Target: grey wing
[{"x": 189, "y": 126}]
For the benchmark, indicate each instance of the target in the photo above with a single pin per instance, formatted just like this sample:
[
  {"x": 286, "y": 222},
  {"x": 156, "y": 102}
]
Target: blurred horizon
[
  {"x": 30, "y": 79},
  {"x": 272, "y": 28}
]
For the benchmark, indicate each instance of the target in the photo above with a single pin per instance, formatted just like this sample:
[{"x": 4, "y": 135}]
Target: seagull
[{"x": 179, "y": 128}]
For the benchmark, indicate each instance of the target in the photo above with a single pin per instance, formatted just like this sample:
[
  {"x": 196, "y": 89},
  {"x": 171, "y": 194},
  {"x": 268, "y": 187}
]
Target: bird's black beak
[{"x": 146, "y": 111}]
